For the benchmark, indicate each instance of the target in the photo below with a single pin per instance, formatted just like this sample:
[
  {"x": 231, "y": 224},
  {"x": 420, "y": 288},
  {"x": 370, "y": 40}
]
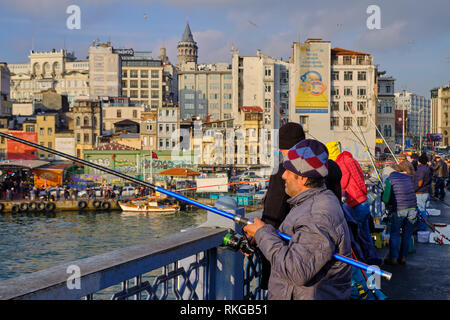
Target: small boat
[{"x": 148, "y": 206}]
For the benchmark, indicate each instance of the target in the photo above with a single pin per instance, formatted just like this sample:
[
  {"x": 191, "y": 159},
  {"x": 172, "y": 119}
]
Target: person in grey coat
[{"x": 304, "y": 267}]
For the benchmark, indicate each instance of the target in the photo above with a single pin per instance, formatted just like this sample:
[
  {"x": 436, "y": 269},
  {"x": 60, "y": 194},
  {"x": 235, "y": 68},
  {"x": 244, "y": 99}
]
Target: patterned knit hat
[{"x": 308, "y": 158}]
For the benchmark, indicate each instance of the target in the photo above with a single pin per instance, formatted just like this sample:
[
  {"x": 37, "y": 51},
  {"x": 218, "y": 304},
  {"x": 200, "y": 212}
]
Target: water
[{"x": 33, "y": 242}]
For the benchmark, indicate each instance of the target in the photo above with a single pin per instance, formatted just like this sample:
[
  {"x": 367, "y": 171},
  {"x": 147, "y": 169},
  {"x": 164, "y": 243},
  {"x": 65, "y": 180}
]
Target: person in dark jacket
[
  {"x": 401, "y": 200},
  {"x": 422, "y": 185},
  {"x": 440, "y": 170},
  {"x": 304, "y": 267},
  {"x": 276, "y": 206}
]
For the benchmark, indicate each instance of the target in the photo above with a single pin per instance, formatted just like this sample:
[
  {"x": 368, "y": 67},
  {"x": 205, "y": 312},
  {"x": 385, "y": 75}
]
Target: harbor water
[{"x": 31, "y": 242}]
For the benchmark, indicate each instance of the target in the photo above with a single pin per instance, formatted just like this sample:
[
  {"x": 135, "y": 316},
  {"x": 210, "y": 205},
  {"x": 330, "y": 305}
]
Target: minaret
[{"x": 187, "y": 47}]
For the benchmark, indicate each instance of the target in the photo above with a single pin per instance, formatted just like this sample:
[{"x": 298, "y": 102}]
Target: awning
[
  {"x": 179, "y": 172},
  {"x": 30, "y": 164},
  {"x": 252, "y": 109}
]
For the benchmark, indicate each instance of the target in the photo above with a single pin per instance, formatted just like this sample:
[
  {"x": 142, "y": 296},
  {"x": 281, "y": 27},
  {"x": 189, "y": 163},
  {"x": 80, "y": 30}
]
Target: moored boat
[{"x": 148, "y": 205}]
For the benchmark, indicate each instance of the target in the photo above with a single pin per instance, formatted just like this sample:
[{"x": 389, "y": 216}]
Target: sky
[{"x": 412, "y": 44}]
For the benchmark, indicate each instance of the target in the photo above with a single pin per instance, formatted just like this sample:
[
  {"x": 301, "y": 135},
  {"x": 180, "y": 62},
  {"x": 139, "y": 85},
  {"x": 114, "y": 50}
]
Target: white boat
[{"x": 148, "y": 206}]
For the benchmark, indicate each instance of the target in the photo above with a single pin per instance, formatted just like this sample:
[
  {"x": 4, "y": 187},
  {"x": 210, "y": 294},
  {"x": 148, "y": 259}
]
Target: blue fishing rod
[{"x": 235, "y": 218}]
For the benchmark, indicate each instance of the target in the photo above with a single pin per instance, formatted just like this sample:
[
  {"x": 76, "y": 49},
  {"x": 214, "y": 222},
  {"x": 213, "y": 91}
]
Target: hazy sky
[{"x": 413, "y": 44}]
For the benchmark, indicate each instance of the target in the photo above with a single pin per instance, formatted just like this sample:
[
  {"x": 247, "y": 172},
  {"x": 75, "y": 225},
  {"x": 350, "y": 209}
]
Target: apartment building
[
  {"x": 116, "y": 109},
  {"x": 104, "y": 71},
  {"x": 168, "y": 121},
  {"x": 440, "y": 107},
  {"x": 333, "y": 95},
  {"x": 58, "y": 70},
  {"x": 385, "y": 113},
  {"x": 5, "y": 103},
  {"x": 418, "y": 119},
  {"x": 87, "y": 127},
  {"x": 205, "y": 91},
  {"x": 45, "y": 129}
]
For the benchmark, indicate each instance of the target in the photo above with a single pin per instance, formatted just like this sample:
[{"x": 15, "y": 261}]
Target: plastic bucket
[{"x": 423, "y": 236}]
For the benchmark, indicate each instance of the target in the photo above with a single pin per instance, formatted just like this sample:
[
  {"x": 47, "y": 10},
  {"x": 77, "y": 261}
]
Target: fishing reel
[{"x": 237, "y": 242}]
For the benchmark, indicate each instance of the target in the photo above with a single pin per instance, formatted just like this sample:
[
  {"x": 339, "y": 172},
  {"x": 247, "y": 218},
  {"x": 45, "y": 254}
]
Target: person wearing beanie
[
  {"x": 422, "y": 187},
  {"x": 401, "y": 201},
  {"x": 304, "y": 267},
  {"x": 276, "y": 206}
]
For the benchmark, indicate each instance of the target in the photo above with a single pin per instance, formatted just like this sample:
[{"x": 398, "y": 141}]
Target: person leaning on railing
[{"x": 304, "y": 268}]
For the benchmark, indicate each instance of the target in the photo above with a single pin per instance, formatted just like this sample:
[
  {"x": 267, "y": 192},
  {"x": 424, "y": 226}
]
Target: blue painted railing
[{"x": 188, "y": 265}]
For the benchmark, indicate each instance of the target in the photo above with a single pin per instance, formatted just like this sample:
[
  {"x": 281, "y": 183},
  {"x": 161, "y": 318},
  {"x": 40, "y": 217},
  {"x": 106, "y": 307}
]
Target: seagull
[{"x": 252, "y": 23}]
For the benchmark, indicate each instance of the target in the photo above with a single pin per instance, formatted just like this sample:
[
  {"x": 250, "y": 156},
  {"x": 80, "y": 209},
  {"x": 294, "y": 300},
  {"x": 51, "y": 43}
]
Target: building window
[
  {"x": 227, "y": 86},
  {"x": 135, "y": 114},
  {"x": 85, "y": 121},
  {"x": 348, "y": 106},
  {"x": 267, "y": 88},
  {"x": 361, "y": 91},
  {"x": 133, "y": 73},
  {"x": 347, "y": 122},
  {"x": 227, "y": 96},
  {"x": 361, "y": 75},
  {"x": 189, "y": 96},
  {"x": 28, "y": 129},
  {"x": 144, "y": 74},
  {"x": 348, "y": 91},
  {"x": 189, "y": 106},
  {"x": 119, "y": 113},
  {"x": 155, "y": 74},
  {"x": 267, "y": 105},
  {"x": 361, "y": 106},
  {"x": 334, "y": 91},
  {"x": 335, "y": 75},
  {"x": 334, "y": 121},
  {"x": 335, "y": 106},
  {"x": 49, "y": 131},
  {"x": 348, "y": 75},
  {"x": 362, "y": 121},
  {"x": 347, "y": 60},
  {"x": 268, "y": 72},
  {"x": 41, "y": 131},
  {"x": 214, "y": 86},
  {"x": 86, "y": 138}
]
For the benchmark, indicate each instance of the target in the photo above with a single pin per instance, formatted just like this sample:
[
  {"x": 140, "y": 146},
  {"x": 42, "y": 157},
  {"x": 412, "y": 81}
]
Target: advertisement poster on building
[{"x": 313, "y": 78}]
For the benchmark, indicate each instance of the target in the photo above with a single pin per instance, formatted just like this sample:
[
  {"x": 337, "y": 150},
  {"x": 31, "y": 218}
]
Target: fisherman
[
  {"x": 304, "y": 268},
  {"x": 401, "y": 201},
  {"x": 276, "y": 206},
  {"x": 440, "y": 170},
  {"x": 422, "y": 186}
]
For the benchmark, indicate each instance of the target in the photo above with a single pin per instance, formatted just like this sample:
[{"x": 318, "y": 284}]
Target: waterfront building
[
  {"x": 205, "y": 91},
  {"x": 87, "y": 124},
  {"x": 418, "y": 117},
  {"x": 45, "y": 128},
  {"x": 440, "y": 106},
  {"x": 385, "y": 112},
  {"x": 58, "y": 70},
  {"x": 5, "y": 78},
  {"x": 104, "y": 71},
  {"x": 168, "y": 131},
  {"x": 333, "y": 95},
  {"x": 116, "y": 109}
]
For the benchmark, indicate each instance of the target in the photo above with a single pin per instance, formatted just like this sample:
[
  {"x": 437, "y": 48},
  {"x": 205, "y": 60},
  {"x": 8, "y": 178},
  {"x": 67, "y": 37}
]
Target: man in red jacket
[{"x": 353, "y": 186}]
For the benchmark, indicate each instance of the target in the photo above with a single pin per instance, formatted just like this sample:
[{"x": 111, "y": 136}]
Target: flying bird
[{"x": 252, "y": 23}]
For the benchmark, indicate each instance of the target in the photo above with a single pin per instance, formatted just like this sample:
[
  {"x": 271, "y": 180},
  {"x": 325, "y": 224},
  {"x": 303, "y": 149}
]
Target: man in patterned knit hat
[{"x": 304, "y": 267}]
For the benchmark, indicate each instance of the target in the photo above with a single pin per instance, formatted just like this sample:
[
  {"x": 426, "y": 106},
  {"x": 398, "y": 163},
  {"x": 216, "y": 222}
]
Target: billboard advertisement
[
  {"x": 17, "y": 150},
  {"x": 313, "y": 78}
]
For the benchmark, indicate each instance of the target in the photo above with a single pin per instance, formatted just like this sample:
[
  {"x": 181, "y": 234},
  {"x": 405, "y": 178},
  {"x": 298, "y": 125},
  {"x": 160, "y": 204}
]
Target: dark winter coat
[{"x": 304, "y": 267}]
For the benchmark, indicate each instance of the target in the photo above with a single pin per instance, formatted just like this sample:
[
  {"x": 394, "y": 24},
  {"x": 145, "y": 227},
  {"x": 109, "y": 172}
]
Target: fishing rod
[
  {"x": 362, "y": 143},
  {"x": 384, "y": 140},
  {"x": 440, "y": 241},
  {"x": 236, "y": 218}
]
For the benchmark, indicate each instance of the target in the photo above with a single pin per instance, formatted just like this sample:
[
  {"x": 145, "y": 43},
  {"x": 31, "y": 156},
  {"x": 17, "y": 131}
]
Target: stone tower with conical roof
[{"x": 187, "y": 47}]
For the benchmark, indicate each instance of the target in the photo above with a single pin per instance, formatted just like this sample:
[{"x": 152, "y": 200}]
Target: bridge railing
[{"x": 188, "y": 265}]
